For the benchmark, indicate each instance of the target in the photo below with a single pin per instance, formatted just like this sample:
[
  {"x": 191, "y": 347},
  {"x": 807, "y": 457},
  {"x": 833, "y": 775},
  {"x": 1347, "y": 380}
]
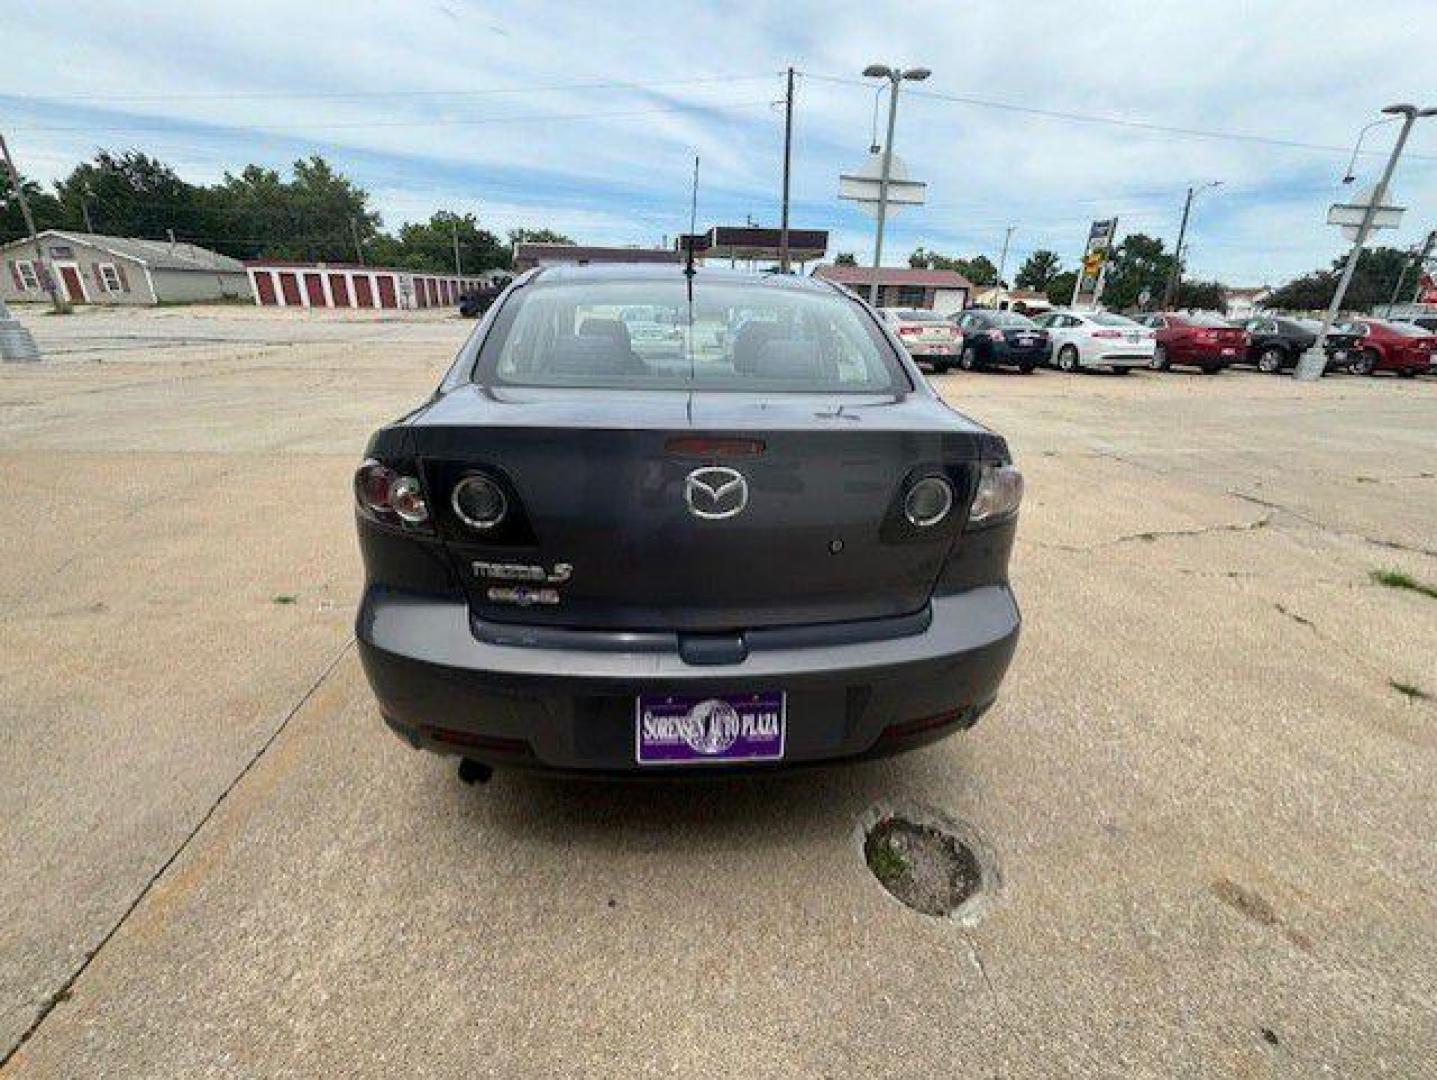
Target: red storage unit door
[
  {"x": 386, "y": 291},
  {"x": 421, "y": 293},
  {"x": 314, "y": 287},
  {"x": 363, "y": 291},
  {"x": 339, "y": 289},
  {"x": 289, "y": 288},
  {"x": 264, "y": 287},
  {"x": 433, "y": 292}
]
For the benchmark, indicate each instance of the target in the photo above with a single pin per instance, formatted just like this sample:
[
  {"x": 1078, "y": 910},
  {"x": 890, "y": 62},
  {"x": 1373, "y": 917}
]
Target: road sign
[
  {"x": 864, "y": 185},
  {"x": 1350, "y": 215},
  {"x": 1089, "y": 285}
]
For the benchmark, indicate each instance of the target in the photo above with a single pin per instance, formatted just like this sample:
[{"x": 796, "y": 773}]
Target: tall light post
[
  {"x": 1314, "y": 361},
  {"x": 895, "y": 76},
  {"x": 1170, "y": 294},
  {"x": 1351, "y": 174},
  {"x": 1003, "y": 257}
]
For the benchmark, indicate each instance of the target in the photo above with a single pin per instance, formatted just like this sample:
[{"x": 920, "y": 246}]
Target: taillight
[
  {"x": 1207, "y": 335},
  {"x": 908, "y": 331},
  {"x": 1000, "y": 490},
  {"x": 390, "y": 496}
]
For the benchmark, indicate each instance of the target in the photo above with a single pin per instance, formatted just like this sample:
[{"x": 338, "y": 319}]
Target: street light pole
[
  {"x": 783, "y": 259},
  {"x": 1314, "y": 361},
  {"x": 40, "y": 261},
  {"x": 894, "y": 76}
]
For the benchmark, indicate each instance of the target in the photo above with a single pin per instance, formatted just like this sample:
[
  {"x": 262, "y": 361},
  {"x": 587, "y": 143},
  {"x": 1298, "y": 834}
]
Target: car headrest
[
  {"x": 749, "y": 342},
  {"x": 787, "y": 359},
  {"x": 612, "y": 329},
  {"x": 588, "y": 354}
]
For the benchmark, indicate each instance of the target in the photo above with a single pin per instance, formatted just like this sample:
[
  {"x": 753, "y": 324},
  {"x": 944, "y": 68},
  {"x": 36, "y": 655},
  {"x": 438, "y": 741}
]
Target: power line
[
  {"x": 334, "y": 95},
  {"x": 168, "y": 125},
  {"x": 1113, "y": 121}
]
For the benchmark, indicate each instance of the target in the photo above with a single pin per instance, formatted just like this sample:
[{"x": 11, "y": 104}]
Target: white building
[{"x": 94, "y": 269}]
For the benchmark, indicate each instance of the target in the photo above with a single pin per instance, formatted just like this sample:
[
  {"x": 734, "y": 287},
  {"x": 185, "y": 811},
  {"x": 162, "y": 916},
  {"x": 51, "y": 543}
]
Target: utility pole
[
  {"x": 1170, "y": 294},
  {"x": 895, "y": 77},
  {"x": 1314, "y": 361},
  {"x": 358, "y": 247},
  {"x": 1003, "y": 258},
  {"x": 1420, "y": 257},
  {"x": 787, "y": 159},
  {"x": 85, "y": 194},
  {"x": 47, "y": 276},
  {"x": 454, "y": 227}
]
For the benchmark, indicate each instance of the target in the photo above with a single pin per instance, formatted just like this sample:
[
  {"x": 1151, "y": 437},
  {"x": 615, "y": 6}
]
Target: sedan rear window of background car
[{"x": 646, "y": 334}]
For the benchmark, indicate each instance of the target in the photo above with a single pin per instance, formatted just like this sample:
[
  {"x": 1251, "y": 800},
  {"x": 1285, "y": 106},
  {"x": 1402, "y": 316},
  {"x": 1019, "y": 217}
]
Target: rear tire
[
  {"x": 1068, "y": 359},
  {"x": 1026, "y": 369},
  {"x": 1211, "y": 369},
  {"x": 1407, "y": 373},
  {"x": 1159, "y": 362},
  {"x": 1364, "y": 363},
  {"x": 1119, "y": 371},
  {"x": 1271, "y": 361}
]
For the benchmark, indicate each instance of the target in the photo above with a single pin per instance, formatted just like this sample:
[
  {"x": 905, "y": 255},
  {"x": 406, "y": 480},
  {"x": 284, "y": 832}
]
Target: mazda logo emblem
[{"x": 715, "y": 493}]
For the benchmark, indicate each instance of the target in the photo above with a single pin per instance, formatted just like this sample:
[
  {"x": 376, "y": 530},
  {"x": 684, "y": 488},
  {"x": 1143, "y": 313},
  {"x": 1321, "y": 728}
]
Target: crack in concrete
[
  {"x": 67, "y": 988},
  {"x": 1157, "y": 534}
]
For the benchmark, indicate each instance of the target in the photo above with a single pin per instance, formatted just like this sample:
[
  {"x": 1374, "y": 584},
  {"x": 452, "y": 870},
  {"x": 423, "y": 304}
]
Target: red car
[
  {"x": 1202, "y": 340},
  {"x": 1405, "y": 348}
]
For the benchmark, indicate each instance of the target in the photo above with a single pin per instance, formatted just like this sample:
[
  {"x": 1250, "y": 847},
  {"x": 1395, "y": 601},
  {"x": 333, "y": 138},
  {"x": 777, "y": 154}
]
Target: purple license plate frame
[{"x": 710, "y": 729}]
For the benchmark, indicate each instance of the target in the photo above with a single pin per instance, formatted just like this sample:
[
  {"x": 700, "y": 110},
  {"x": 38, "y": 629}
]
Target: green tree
[
  {"x": 429, "y": 245},
  {"x": 1202, "y": 296},
  {"x": 131, "y": 194},
  {"x": 1372, "y": 283},
  {"x": 1038, "y": 270},
  {"x": 536, "y": 236},
  {"x": 1138, "y": 263},
  {"x": 979, "y": 269},
  {"x": 845, "y": 258},
  {"x": 44, "y": 207},
  {"x": 1060, "y": 289}
]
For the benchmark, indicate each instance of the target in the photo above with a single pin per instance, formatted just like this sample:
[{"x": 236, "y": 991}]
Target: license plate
[
  {"x": 697, "y": 729},
  {"x": 1026, "y": 340},
  {"x": 1339, "y": 354}
]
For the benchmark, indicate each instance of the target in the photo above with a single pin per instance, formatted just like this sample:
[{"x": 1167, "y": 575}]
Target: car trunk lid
[{"x": 609, "y": 530}]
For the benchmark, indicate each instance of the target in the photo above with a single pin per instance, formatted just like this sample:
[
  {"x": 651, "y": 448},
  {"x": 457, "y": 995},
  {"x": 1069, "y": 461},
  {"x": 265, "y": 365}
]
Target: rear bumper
[
  {"x": 1003, "y": 353},
  {"x": 573, "y": 709}
]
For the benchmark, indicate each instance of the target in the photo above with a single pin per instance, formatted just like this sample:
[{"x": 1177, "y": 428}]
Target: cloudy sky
[{"x": 585, "y": 117}]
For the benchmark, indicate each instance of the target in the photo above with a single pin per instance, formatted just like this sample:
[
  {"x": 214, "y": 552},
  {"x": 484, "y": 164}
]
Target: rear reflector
[
  {"x": 493, "y": 743},
  {"x": 907, "y": 729},
  {"x": 699, "y": 446}
]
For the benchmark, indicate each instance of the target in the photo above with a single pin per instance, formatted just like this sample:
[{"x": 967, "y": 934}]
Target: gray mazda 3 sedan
[{"x": 664, "y": 523}]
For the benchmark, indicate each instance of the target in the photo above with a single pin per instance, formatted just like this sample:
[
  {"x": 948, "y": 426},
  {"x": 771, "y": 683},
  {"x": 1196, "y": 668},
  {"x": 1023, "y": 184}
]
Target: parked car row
[{"x": 1073, "y": 340}]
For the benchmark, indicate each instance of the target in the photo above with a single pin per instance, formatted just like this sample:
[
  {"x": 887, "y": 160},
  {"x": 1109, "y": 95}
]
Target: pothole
[{"x": 928, "y": 862}]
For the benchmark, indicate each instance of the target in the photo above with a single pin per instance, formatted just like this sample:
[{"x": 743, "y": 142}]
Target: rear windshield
[
  {"x": 1012, "y": 318},
  {"x": 1408, "y": 330},
  {"x": 1107, "y": 318},
  {"x": 647, "y": 334},
  {"x": 1213, "y": 321}
]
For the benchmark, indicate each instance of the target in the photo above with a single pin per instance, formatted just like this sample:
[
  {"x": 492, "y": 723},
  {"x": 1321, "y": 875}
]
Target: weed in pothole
[
  {"x": 924, "y": 867},
  {"x": 285, "y": 598},
  {"x": 1396, "y": 579},
  {"x": 1410, "y": 692}
]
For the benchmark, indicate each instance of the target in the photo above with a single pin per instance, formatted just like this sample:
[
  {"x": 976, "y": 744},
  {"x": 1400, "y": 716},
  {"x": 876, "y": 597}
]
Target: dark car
[
  {"x": 1403, "y": 348},
  {"x": 1195, "y": 339},
  {"x": 475, "y": 302},
  {"x": 1274, "y": 343},
  {"x": 584, "y": 554},
  {"x": 1002, "y": 337}
]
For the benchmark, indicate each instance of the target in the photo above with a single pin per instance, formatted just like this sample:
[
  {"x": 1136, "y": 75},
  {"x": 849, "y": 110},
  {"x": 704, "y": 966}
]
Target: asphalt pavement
[{"x": 1207, "y": 785}]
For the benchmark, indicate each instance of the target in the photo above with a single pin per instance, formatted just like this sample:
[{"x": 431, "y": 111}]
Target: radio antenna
[{"x": 693, "y": 224}]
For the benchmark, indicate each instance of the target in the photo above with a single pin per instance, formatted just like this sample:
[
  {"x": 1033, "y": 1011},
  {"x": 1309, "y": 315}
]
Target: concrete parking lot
[{"x": 1208, "y": 784}]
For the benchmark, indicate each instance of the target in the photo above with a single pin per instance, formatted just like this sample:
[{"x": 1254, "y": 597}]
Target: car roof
[{"x": 569, "y": 274}]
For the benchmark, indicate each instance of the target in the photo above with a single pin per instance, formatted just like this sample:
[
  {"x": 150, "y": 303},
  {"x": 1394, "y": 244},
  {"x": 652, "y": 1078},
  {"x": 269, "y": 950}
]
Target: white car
[
  {"x": 1098, "y": 339},
  {"x": 930, "y": 338}
]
